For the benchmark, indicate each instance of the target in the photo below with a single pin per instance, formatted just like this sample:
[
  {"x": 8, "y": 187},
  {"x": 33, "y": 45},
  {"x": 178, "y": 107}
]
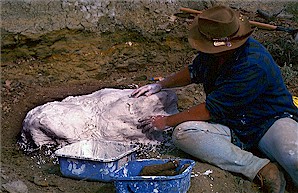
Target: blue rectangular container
[
  {"x": 127, "y": 179},
  {"x": 94, "y": 160}
]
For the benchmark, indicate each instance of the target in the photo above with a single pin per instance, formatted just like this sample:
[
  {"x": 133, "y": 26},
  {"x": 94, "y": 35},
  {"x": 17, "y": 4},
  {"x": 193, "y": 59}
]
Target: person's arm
[
  {"x": 195, "y": 113},
  {"x": 161, "y": 122},
  {"x": 178, "y": 79},
  {"x": 181, "y": 78}
]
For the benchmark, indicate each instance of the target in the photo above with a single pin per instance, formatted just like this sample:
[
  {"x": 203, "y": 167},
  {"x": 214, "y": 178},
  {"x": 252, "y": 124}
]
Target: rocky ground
[{"x": 39, "y": 69}]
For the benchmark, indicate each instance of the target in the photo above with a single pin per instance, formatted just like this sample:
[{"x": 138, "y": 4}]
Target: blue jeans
[{"x": 212, "y": 143}]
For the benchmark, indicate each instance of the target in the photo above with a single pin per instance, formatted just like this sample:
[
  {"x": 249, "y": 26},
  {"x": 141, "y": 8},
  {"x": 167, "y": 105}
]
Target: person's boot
[{"x": 272, "y": 179}]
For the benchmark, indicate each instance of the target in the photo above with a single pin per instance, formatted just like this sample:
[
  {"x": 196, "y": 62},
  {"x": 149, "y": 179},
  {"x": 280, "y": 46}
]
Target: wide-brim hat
[{"x": 219, "y": 29}]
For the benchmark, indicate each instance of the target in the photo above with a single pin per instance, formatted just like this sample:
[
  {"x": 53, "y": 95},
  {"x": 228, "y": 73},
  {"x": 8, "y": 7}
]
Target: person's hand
[
  {"x": 151, "y": 124},
  {"x": 146, "y": 90},
  {"x": 159, "y": 122}
]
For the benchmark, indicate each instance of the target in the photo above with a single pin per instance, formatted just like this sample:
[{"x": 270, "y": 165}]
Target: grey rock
[{"x": 17, "y": 186}]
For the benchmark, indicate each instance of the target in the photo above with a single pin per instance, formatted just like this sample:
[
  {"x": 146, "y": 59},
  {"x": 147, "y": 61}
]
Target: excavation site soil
[{"x": 63, "y": 63}]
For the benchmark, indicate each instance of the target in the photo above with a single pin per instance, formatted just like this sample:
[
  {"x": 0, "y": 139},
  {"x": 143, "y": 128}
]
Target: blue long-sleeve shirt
[{"x": 246, "y": 93}]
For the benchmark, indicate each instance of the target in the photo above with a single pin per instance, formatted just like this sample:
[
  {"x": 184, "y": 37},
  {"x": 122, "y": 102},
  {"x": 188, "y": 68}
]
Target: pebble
[
  {"x": 40, "y": 181},
  {"x": 17, "y": 186},
  {"x": 140, "y": 78}
]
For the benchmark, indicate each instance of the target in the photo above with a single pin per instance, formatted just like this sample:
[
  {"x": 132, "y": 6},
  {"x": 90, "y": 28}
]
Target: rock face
[
  {"x": 107, "y": 114},
  {"x": 147, "y": 17}
]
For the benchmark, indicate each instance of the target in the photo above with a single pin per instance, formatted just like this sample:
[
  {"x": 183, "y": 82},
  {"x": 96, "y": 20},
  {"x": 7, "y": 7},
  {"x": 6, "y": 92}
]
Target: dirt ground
[{"x": 50, "y": 67}]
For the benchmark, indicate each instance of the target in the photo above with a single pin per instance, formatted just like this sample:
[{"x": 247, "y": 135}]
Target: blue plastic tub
[
  {"x": 127, "y": 179},
  {"x": 94, "y": 160}
]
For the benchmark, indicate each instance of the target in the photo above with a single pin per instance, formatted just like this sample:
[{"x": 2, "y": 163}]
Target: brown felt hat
[{"x": 219, "y": 29}]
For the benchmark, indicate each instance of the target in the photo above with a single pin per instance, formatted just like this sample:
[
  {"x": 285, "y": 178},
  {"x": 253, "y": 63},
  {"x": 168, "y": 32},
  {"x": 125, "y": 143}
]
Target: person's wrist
[
  {"x": 166, "y": 121},
  {"x": 160, "y": 85}
]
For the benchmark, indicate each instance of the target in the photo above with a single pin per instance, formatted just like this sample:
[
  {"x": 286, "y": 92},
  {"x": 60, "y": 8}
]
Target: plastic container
[
  {"x": 94, "y": 160},
  {"x": 127, "y": 178}
]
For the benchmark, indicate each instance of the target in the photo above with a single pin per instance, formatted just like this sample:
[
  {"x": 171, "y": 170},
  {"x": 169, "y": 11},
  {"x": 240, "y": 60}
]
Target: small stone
[
  {"x": 5, "y": 177},
  {"x": 15, "y": 187},
  {"x": 40, "y": 181},
  {"x": 140, "y": 78}
]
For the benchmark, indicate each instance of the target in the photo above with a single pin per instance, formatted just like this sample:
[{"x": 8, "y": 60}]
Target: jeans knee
[
  {"x": 184, "y": 131},
  {"x": 182, "y": 134},
  {"x": 177, "y": 135}
]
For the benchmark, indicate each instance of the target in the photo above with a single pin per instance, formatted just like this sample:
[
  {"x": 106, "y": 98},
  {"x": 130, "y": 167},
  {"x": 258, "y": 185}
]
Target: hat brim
[{"x": 198, "y": 41}]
